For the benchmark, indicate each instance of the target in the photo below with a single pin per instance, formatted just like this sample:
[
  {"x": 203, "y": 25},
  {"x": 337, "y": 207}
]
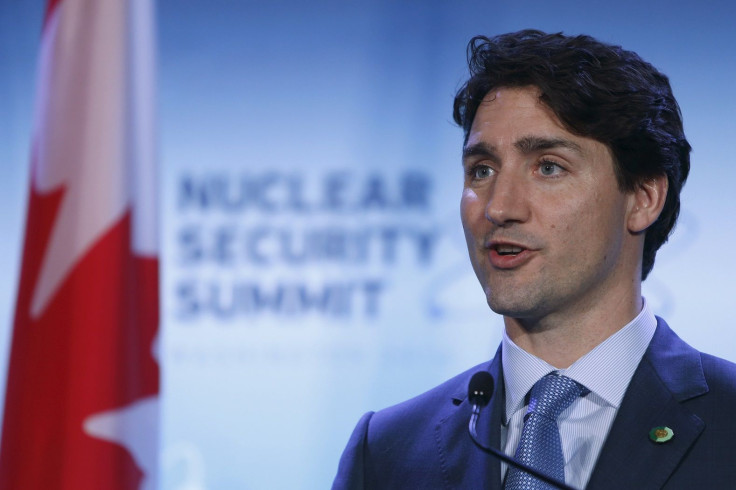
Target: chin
[
  {"x": 504, "y": 306},
  {"x": 514, "y": 305}
]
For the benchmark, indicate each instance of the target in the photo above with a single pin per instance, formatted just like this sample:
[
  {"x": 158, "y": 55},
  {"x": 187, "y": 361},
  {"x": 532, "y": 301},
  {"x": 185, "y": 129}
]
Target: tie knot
[{"x": 552, "y": 394}]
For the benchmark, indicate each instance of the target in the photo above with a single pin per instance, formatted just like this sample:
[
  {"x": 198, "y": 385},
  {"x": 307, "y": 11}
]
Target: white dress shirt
[{"x": 606, "y": 371}]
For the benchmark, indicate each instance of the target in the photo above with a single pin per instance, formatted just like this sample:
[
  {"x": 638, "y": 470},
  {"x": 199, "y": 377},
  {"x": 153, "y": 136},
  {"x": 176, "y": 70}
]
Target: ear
[{"x": 647, "y": 201}]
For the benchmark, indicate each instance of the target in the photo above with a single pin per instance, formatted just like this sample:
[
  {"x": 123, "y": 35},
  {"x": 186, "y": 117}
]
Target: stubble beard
[{"x": 528, "y": 308}]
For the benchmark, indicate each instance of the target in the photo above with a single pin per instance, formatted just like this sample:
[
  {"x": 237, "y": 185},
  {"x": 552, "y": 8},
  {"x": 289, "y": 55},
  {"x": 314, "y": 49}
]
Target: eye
[
  {"x": 548, "y": 168},
  {"x": 480, "y": 172}
]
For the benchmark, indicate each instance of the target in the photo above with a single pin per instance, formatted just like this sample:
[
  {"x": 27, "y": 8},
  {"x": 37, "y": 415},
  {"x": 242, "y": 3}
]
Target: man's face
[{"x": 544, "y": 219}]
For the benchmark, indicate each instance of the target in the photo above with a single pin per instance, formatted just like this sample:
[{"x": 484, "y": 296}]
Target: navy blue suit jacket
[{"x": 424, "y": 443}]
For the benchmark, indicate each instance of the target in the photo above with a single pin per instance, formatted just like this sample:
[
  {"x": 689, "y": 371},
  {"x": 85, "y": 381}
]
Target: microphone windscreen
[{"x": 480, "y": 388}]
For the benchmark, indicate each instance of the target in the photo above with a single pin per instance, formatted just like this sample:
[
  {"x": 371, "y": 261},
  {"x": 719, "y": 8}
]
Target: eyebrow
[
  {"x": 530, "y": 144},
  {"x": 480, "y": 149},
  {"x": 527, "y": 144}
]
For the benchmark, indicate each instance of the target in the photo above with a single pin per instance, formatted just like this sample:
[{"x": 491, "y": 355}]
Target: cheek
[
  {"x": 570, "y": 224},
  {"x": 595, "y": 227},
  {"x": 470, "y": 206},
  {"x": 472, "y": 215},
  {"x": 468, "y": 198}
]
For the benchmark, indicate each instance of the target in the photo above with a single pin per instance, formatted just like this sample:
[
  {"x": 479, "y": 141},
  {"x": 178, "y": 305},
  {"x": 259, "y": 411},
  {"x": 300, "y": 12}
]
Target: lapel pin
[{"x": 661, "y": 434}]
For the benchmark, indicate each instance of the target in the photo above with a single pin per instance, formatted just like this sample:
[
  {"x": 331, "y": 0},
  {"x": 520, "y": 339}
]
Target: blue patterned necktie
[{"x": 540, "y": 446}]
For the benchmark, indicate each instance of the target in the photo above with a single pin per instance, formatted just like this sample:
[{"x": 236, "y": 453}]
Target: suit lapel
[
  {"x": 464, "y": 465},
  {"x": 669, "y": 373}
]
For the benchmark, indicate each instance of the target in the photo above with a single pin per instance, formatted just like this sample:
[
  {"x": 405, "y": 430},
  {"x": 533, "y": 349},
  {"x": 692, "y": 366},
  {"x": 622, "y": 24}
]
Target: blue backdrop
[{"x": 313, "y": 260}]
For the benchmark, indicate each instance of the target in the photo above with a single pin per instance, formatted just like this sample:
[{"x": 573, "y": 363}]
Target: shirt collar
[{"x": 606, "y": 370}]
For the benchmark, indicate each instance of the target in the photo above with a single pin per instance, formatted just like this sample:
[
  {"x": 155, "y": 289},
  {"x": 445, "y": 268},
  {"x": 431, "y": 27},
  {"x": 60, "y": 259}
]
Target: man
[{"x": 574, "y": 158}]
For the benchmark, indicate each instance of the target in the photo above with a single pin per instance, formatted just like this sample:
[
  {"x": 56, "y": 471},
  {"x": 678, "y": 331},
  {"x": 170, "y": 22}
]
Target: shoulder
[
  {"x": 718, "y": 367},
  {"x": 714, "y": 409},
  {"x": 397, "y": 447},
  {"x": 420, "y": 410},
  {"x": 410, "y": 427},
  {"x": 720, "y": 375},
  {"x": 688, "y": 373}
]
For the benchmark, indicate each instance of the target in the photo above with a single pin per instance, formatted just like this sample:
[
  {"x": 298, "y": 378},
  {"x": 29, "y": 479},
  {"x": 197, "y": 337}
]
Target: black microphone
[{"x": 480, "y": 390}]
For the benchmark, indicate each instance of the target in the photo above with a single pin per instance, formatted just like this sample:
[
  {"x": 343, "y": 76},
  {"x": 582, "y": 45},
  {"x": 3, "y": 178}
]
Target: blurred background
[{"x": 312, "y": 258}]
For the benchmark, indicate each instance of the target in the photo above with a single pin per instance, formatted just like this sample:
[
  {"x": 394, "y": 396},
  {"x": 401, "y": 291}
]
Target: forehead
[
  {"x": 514, "y": 108},
  {"x": 513, "y": 115},
  {"x": 513, "y": 121}
]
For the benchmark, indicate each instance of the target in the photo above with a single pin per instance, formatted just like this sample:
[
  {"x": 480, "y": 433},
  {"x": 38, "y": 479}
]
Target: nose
[{"x": 507, "y": 200}]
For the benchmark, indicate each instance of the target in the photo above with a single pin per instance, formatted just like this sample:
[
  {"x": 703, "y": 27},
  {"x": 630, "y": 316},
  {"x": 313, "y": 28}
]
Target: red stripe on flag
[
  {"x": 81, "y": 407},
  {"x": 89, "y": 351}
]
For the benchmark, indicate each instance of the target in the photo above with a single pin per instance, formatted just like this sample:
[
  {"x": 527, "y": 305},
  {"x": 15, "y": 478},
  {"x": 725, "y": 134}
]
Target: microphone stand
[{"x": 507, "y": 459}]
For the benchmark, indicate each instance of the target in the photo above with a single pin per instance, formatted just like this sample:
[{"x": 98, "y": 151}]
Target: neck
[{"x": 563, "y": 337}]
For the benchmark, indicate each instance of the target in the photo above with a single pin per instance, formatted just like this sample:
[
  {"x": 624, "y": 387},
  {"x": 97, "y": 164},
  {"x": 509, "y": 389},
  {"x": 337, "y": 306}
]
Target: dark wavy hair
[{"x": 598, "y": 91}]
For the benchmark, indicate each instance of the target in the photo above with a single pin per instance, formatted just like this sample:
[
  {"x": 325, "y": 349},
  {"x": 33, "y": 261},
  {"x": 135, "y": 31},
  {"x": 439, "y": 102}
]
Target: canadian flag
[{"x": 81, "y": 408}]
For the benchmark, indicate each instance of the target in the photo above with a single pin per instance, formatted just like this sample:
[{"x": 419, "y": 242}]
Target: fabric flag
[{"x": 81, "y": 407}]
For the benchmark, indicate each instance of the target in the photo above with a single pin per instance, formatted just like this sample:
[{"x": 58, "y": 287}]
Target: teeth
[{"x": 508, "y": 249}]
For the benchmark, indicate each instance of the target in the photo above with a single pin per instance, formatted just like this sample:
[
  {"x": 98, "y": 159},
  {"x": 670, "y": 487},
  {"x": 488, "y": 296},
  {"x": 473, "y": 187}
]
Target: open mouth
[
  {"x": 508, "y": 250},
  {"x": 509, "y": 255}
]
